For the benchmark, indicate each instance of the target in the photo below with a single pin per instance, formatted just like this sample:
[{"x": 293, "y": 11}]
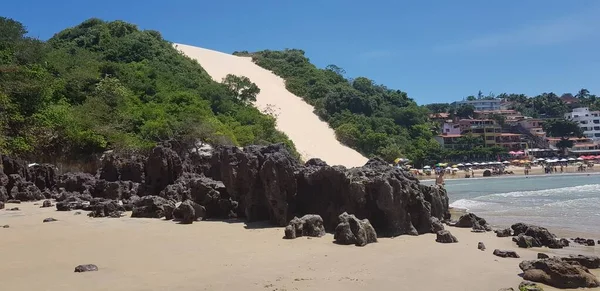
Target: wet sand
[{"x": 151, "y": 254}]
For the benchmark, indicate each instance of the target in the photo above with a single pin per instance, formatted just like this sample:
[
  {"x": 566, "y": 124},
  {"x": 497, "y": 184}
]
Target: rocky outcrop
[
  {"x": 352, "y": 230},
  {"x": 115, "y": 168},
  {"x": 505, "y": 254},
  {"x": 163, "y": 167},
  {"x": 436, "y": 225},
  {"x": 558, "y": 273},
  {"x": 506, "y": 232},
  {"x": 584, "y": 241},
  {"x": 445, "y": 237},
  {"x": 108, "y": 208},
  {"x": 473, "y": 221},
  {"x": 590, "y": 262},
  {"x": 541, "y": 234},
  {"x": 307, "y": 225},
  {"x": 525, "y": 241},
  {"x": 149, "y": 207},
  {"x": 189, "y": 211}
]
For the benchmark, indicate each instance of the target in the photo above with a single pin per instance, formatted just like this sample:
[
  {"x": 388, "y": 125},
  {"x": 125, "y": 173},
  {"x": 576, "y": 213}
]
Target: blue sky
[{"x": 437, "y": 51}]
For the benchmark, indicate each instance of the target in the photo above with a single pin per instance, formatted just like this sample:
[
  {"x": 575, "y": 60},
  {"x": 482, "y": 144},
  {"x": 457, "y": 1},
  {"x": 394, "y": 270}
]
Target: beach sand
[
  {"x": 151, "y": 254},
  {"x": 517, "y": 171},
  {"x": 313, "y": 137}
]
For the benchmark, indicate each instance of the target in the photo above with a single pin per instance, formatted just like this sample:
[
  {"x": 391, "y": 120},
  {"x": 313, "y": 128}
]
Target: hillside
[
  {"x": 371, "y": 118},
  {"x": 108, "y": 85},
  {"x": 313, "y": 138}
]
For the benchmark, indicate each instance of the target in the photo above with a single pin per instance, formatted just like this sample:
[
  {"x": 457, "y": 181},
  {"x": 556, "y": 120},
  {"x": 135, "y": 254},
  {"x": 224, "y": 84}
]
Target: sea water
[{"x": 567, "y": 202}]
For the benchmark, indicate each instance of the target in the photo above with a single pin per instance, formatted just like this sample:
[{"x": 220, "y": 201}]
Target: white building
[
  {"x": 588, "y": 120},
  {"x": 483, "y": 104}
]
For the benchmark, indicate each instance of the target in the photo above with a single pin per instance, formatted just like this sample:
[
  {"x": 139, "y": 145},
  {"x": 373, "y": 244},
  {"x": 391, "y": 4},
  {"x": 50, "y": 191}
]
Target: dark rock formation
[
  {"x": 86, "y": 268},
  {"x": 42, "y": 176},
  {"x": 487, "y": 173},
  {"x": 50, "y": 219},
  {"x": 315, "y": 162},
  {"x": 77, "y": 182},
  {"x": 541, "y": 234},
  {"x": 108, "y": 208},
  {"x": 1, "y": 205},
  {"x": 168, "y": 210},
  {"x": 163, "y": 167},
  {"x": 590, "y": 262},
  {"x": 558, "y": 274},
  {"x": 529, "y": 286},
  {"x": 436, "y": 225},
  {"x": 185, "y": 212},
  {"x": 481, "y": 246},
  {"x": 542, "y": 256},
  {"x": 506, "y": 232},
  {"x": 352, "y": 230},
  {"x": 47, "y": 203},
  {"x": 308, "y": 225},
  {"x": 564, "y": 242},
  {"x": 149, "y": 207},
  {"x": 445, "y": 236},
  {"x": 473, "y": 221},
  {"x": 525, "y": 241},
  {"x": 13, "y": 209},
  {"x": 585, "y": 241},
  {"x": 505, "y": 254}
]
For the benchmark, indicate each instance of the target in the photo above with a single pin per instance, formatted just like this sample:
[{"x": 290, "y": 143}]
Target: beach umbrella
[
  {"x": 454, "y": 166},
  {"x": 397, "y": 160},
  {"x": 580, "y": 159},
  {"x": 448, "y": 168},
  {"x": 460, "y": 165},
  {"x": 468, "y": 164},
  {"x": 572, "y": 159},
  {"x": 454, "y": 170},
  {"x": 506, "y": 162},
  {"x": 512, "y": 153},
  {"x": 541, "y": 159},
  {"x": 563, "y": 160},
  {"x": 427, "y": 167},
  {"x": 475, "y": 164}
]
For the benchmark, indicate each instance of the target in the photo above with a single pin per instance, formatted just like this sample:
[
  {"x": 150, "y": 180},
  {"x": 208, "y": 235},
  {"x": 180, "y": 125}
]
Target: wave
[
  {"x": 468, "y": 204},
  {"x": 583, "y": 189}
]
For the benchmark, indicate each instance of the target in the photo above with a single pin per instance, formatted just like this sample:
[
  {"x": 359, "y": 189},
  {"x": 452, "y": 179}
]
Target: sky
[{"x": 436, "y": 51}]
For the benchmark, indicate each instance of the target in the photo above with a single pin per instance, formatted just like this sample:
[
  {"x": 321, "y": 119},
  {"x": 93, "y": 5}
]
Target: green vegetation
[
  {"x": 371, "y": 118},
  {"x": 108, "y": 85},
  {"x": 562, "y": 128}
]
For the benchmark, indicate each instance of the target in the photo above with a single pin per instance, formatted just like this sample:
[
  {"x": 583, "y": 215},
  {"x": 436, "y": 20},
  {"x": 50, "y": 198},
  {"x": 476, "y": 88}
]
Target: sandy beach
[
  {"x": 152, "y": 254},
  {"x": 517, "y": 171},
  {"x": 313, "y": 137}
]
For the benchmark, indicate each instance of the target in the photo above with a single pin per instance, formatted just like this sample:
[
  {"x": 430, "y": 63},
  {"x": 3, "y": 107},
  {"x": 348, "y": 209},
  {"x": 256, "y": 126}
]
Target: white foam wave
[
  {"x": 548, "y": 192},
  {"x": 468, "y": 204}
]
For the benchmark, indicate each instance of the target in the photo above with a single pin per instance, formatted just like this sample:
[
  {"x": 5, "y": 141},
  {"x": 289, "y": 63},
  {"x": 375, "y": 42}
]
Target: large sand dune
[{"x": 313, "y": 138}]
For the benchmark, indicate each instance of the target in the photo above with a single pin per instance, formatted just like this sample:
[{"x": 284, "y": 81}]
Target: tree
[
  {"x": 241, "y": 87},
  {"x": 471, "y": 98},
  {"x": 499, "y": 118},
  {"x": 563, "y": 144},
  {"x": 562, "y": 128},
  {"x": 465, "y": 111},
  {"x": 336, "y": 69},
  {"x": 479, "y": 95}
]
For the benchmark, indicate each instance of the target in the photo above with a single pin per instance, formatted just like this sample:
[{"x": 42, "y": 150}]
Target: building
[
  {"x": 580, "y": 144},
  {"x": 588, "y": 120},
  {"x": 534, "y": 126},
  {"x": 483, "y": 104},
  {"x": 490, "y": 132}
]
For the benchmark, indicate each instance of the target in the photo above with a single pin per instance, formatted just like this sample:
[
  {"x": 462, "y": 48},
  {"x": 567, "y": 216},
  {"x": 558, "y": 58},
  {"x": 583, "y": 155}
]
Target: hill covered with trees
[
  {"x": 371, "y": 118},
  {"x": 108, "y": 85}
]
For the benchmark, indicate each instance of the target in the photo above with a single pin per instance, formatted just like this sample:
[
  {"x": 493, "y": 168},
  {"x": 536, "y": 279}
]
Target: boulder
[
  {"x": 506, "y": 232},
  {"x": 481, "y": 246},
  {"x": 590, "y": 262},
  {"x": 529, "y": 286},
  {"x": 525, "y": 241},
  {"x": 86, "y": 268},
  {"x": 564, "y": 242},
  {"x": 436, "y": 225},
  {"x": 542, "y": 256},
  {"x": 43, "y": 176},
  {"x": 185, "y": 212},
  {"x": 541, "y": 234},
  {"x": 149, "y": 207},
  {"x": 110, "y": 208},
  {"x": 168, "y": 210},
  {"x": 50, "y": 219},
  {"x": 308, "y": 225},
  {"x": 181, "y": 212},
  {"x": 1, "y": 205},
  {"x": 505, "y": 254},
  {"x": 445, "y": 236},
  {"x": 352, "y": 230},
  {"x": 558, "y": 273},
  {"x": 13, "y": 209},
  {"x": 473, "y": 221},
  {"x": 47, "y": 203}
]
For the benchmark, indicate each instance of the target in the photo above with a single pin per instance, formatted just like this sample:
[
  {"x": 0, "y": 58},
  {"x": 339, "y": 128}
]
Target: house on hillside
[
  {"x": 483, "y": 104},
  {"x": 490, "y": 132}
]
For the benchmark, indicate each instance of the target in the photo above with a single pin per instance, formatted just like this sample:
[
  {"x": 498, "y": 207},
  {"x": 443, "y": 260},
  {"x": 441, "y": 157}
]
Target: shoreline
[
  {"x": 588, "y": 173},
  {"x": 155, "y": 254}
]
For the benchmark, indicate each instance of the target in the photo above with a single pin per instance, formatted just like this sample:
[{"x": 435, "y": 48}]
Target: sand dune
[
  {"x": 137, "y": 254},
  {"x": 313, "y": 138}
]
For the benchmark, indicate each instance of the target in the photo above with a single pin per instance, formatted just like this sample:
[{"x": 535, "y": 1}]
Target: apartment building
[
  {"x": 490, "y": 132},
  {"x": 589, "y": 121},
  {"x": 483, "y": 104}
]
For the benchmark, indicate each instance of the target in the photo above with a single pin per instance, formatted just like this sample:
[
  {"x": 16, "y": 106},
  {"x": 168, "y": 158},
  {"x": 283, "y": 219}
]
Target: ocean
[{"x": 567, "y": 203}]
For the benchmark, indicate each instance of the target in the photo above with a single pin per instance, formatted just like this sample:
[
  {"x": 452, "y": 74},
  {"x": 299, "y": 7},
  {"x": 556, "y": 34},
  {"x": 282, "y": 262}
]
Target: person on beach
[{"x": 439, "y": 181}]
